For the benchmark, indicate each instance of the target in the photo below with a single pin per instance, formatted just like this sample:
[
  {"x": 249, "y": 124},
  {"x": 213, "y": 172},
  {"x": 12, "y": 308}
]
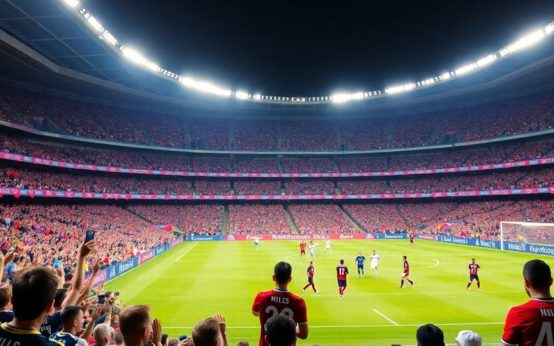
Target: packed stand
[
  {"x": 257, "y": 218},
  {"x": 321, "y": 218}
]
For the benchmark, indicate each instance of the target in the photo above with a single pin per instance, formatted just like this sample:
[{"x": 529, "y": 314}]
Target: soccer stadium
[{"x": 276, "y": 173}]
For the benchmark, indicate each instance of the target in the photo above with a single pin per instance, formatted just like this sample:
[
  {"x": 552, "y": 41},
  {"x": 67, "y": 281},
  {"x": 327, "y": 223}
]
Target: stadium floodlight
[
  {"x": 205, "y": 86},
  {"x": 242, "y": 95},
  {"x": 341, "y": 98},
  {"x": 524, "y": 42},
  {"x": 133, "y": 55},
  {"x": 109, "y": 38},
  {"x": 489, "y": 59},
  {"x": 549, "y": 29},
  {"x": 94, "y": 23},
  {"x": 400, "y": 88},
  {"x": 445, "y": 76},
  {"x": 465, "y": 69},
  {"x": 257, "y": 97},
  {"x": 152, "y": 66},
  {"x": 71, "y": 3}
]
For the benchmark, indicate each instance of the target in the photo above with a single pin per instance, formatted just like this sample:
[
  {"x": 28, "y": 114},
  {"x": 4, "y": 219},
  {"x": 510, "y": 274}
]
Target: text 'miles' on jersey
[
  {"x": 278, "y": 302},
  {"x": 342, "y": 272},
  {"x": 473, "y": 268},
  {"x": 530, "y": 324},
  {"x": 20, "y": 336}
]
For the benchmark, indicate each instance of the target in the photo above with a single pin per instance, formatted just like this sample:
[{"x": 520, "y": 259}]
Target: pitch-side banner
[
  {"x": 110, "y": 169},
  {"x": 312, "y": 236},
  {"x": 33, "y": 193}
]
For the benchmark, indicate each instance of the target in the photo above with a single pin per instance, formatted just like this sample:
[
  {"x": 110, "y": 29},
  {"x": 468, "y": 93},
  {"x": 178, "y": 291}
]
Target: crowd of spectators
[
  {"x": 194, "y": 131},
  {"x": 500, "y": 153},
  {"x": 322, "y": 218},
  {"x": 54, "y": 232},
  {"x": 257, "y": 218},
  {"x": 31, "y": 178}
]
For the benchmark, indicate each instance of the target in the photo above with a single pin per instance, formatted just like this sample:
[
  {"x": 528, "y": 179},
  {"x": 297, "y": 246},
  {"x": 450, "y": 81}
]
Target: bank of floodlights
[{"x": 207, "y": 87}]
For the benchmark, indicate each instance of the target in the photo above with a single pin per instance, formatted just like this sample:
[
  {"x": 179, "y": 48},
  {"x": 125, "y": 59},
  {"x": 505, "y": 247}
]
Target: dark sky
[{"x": 312, "y": 48}]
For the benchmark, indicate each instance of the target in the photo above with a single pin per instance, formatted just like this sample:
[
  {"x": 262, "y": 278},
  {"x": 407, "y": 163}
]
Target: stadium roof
[{"x": 51, "y": 29}]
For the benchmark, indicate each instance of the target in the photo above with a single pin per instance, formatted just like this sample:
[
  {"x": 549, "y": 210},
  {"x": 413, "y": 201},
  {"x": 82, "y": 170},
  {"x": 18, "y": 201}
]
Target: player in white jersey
[
  {"x": 256, "y": 242},
  {"x": 311, "y": 250},
  {"x": 328, "y": 245},
  {"x": 374, "y": 262}
]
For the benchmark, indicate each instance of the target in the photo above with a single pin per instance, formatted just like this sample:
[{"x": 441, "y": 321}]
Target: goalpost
[{"x": 537, "y": 233}]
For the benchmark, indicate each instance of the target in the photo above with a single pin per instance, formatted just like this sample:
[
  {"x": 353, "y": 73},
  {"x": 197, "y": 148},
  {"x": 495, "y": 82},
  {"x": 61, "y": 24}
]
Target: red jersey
[
  {"x": 342, "y": 272},
  {"x": 473, "y": 268},
  {"x": 302, "y": 246},
  {"x": 311, "y": 271},
  {"x": 269, "y": 303},
  {"x": 406, "y": 268},
  {"x": 530, "y": 324}
]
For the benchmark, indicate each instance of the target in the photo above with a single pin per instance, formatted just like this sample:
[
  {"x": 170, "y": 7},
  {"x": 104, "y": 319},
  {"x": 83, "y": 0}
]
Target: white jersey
[
  {"x": 374, "y": 260},
  {"x": 311, "y": 249},
  {"x": 328, "y": 243},
  {"x": 256, "y": 241}
]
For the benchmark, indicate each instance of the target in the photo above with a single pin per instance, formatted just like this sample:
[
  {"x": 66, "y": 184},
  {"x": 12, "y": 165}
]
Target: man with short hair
[
  {"x": 138, "y": 328},
  {"x": 429, "y": 335},
  {"x": 280, "y": 301},
  {"x": 33, "y": 293},
  {"x": 210, "y": 332},
  {"x": 531, "y": 323},
  {"x": 281, "y": 331},
  {"x": 102, "y": 334},
  {"x": 72, "y": 320}
]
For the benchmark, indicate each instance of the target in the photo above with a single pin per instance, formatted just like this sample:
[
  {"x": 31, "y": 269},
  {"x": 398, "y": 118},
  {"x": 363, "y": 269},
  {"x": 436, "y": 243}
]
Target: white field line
[
  {"x": 385, "y": 317},
  {"x": 368, "y": 325},
  {"x": 186, "y": 252}
]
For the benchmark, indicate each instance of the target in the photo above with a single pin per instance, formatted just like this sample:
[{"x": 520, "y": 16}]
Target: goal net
[{"x": 535, "y": 233}]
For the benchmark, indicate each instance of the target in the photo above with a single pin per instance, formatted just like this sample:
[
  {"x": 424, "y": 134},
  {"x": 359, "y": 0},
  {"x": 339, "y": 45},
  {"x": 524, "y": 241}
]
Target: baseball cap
[{"x": 468, "y": 338}]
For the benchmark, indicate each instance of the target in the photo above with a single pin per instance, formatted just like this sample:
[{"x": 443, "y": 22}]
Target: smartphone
[
  {"x": 101, "y": 299},
  {"x": 89, "y": 236}
]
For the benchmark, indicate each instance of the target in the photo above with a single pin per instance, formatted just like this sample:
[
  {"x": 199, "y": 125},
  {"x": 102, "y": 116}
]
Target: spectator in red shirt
[
  {"x": 532, "y": 323},
  {"x": 279, "y": 301}
]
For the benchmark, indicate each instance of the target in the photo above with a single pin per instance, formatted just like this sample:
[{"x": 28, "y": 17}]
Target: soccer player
[
  {"x": 473, "y": 275},
  {"x": 328, "y": 245},
  {"x": 279, "y": 301},
  {"x": 303, "y": 248},
  {"x": 374, "y": 262},
  {"x": 256, "y": 242},
  {"x": 310, "y": 271},
  {"x": 311, "y": 250},
  {"x": 411, "y": 236},
  {"x": 342, "y": 273},
  {"x": 532, "y": 323},
  {"x": 360, "y": 263},
  {"x": 406, "y": 273}
]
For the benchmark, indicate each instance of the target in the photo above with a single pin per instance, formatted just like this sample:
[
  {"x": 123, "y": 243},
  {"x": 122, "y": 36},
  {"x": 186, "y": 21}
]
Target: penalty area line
[
  {"x": 368, "y": 325},
  {"x": 384, "y": 316},
  {"x": 437, "y": 263},
  {"x": 186, "y": 252}
]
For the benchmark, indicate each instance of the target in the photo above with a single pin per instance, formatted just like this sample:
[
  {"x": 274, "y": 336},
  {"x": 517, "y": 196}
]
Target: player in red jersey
[
  {"x": 342, "y": 273},
  {"x": 303, "y": 248},
  {"x": 473, "y": 275},
  {"x": 531, "y": 324},
  {"x": 310, "y": 271},
  {"x": 405, "y": 273},
  {"x": 280, "y": 301}
]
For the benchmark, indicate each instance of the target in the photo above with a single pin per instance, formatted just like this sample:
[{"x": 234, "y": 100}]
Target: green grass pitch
[{"x": 199, "y": 279}]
